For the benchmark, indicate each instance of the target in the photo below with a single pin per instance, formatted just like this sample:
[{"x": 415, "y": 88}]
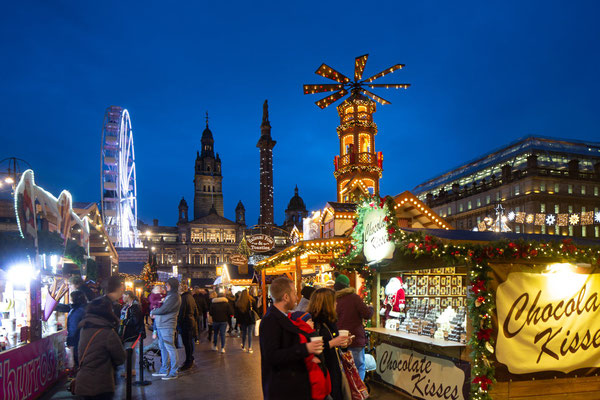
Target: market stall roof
[{"x": 420, "y": 215}]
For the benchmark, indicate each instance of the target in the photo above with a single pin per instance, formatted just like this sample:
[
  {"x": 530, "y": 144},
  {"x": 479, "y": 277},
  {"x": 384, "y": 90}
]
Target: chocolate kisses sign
[
  {"x": 377, "y": 245},
  {"x": 548, "y": 321}
]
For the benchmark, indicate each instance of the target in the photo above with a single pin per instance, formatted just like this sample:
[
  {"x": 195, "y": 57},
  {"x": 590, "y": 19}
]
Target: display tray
[{"x": 416, "y": 338}]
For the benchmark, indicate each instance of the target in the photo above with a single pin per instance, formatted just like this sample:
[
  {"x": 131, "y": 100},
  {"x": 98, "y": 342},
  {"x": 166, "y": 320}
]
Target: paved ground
[{"x": 216, "y": 376}]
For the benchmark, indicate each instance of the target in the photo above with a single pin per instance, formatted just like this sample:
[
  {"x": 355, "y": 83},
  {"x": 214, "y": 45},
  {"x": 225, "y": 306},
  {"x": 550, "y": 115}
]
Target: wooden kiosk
[{"x": 523, "y": 323}]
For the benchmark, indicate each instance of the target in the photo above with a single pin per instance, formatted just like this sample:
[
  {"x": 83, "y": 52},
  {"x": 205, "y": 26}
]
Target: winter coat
[
  {"x": 132, "y": 322},
  {"x": 189, "y": 316},
  {"x": 245, "y": 316},
  {"x": 201, "y": 303},
  {"x": 351, "y": 311},
  {"x": 220, "y": 309},
  {"x": 155, "y": 300},
  {"x": 96, "y": 373},
  {"x": 75, "y": 316},
  {"x": 329, "y": 330},
  {"x": 284, "y": 374},
  {"x": 320, "y": 381},
  {"x": 165, "y": 316}
]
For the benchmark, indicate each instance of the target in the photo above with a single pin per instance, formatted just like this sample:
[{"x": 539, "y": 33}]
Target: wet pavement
[{"x": 215, "y": 376}]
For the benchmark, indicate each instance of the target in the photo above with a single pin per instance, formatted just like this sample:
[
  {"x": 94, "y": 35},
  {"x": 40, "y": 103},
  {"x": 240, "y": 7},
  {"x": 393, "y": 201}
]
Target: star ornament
[
  {"x": 574, "y": 219},
  {"x": 550, "y": 220},
  {"x": 597, "y": 217},
  {"x": 511, "y": 216}
]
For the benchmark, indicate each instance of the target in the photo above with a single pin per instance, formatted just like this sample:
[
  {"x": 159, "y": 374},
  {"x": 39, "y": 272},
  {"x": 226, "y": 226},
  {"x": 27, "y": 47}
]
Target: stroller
[{"x": 151, "y": 354}]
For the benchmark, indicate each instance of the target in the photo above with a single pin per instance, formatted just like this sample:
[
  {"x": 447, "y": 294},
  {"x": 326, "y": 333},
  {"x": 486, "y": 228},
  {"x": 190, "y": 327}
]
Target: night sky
[{"x": 483, "y": 75}]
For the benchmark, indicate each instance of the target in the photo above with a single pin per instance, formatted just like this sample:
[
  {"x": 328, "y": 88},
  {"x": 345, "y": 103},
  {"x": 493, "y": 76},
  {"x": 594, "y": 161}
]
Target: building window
[
  {"x": 556, "y": 188},
  {"x": 556, "y": 208},
  {"x": 478, "y": 220},
  {"x": 582, "y": 189},
  {"x": 469, "y": 206},
  {"x": 517, "y": 229},
  {"x": 556, "y": 230},
  {"x": 460, "y": 207},
  {"x": 596, "y": 191},
  {"x": 584, "y": 231},
  {"x": 449, "y": 210},
  {"x": 542, "y": 207},
  {"x": 583, "y": 209},
  {"x": 517, "y": 209},
  {"x": 570, "y": 209},
  {"x": 570, "y": 189},
  {"x": 597, "y": 231},
  {"x": 542, "y": 186},
  {"x": 498, "y": 196},
  {"x": 488, "y": 199},
  {"x": 570, "y": 230},
  {"x": 543, "y": 229},
  {"x": 516, "y": 190},
  {"x": 478, "y": 202}
]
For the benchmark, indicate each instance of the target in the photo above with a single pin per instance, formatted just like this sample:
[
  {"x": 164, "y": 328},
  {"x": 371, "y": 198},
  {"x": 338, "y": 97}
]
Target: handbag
[{"x": 73, "y": 384}]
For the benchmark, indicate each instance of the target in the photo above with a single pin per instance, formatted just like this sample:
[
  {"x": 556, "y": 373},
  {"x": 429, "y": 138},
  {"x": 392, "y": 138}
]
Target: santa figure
[{"x": 394, "y": 298}]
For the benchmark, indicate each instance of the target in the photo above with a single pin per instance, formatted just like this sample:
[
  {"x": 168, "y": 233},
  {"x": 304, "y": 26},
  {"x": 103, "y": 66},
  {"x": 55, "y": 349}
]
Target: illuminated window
[
  {"x": 449, "y": 210},
  {"x": 516, "y": 190},
  {"x": 543, "y": 207},
  {"x": 570, "y": 209},
  {"x": 583, "y": 209},
  {"x": 570, "y": 189},
  {"x": 596, "y": 191},
  {"x": 469, "y": 206},
  {"x": 478, "y": 202},
  {"x": 478, "y": 220},
  {"x": 582, "y": 189},
  {"x": 556, "y": 230},
  {"x": 498, "y": 196},
  {"x": 349, "y": 109},
  {"x": 365, "y": 143},
  {"x": 556, "y": 187},
  {"x": 542, "y": 186},
  {"x": 556, "y": 208},
  {"x": 543, "y": 229},
  {"x": 570, "y": 230},
  {"x": 597, "y": 231},
  {"x": 362, "y": 109},
  {"x": 488, "y": 199},
  {"x": 517, "y": 229},
  {"x": 460, "y": 207},
  {"x": 584, "y": 231}
]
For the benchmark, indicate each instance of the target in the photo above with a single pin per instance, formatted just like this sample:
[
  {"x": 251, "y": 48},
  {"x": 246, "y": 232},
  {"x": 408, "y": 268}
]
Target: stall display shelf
[{"x": 416, "y": 338}]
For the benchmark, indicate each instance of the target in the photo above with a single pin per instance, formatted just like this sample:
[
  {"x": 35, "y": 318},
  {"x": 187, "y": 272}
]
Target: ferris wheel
[{"x": 118, "y": 186}]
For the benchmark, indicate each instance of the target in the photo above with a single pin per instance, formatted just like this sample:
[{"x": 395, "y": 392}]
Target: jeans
[
  {"x": 249, "y": 331},
  {"x": 187, "y": 337},
  {"x": 359, "y": 359},
  {"x": 219, "y": 329},
  {"x": 168, "y": 352}
]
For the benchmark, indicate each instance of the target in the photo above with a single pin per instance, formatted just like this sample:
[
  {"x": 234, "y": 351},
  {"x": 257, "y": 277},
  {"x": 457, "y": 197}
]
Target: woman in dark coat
[
  {"x": 245, "y": 309},
  {"x": 100, "y": 352},
  {"x": 76, "y": 314},
  {"x": 132, "y": 322},
  {"x": 322, "y": 309}
]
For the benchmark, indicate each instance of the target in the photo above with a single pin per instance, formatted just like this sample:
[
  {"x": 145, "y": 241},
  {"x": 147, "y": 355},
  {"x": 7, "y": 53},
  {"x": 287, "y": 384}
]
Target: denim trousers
[
  {"x": 219, "y": 329},
  {"x": 168, "y": 352},
  {"x": 359, "y": 359},
  {"x": 247, "y": 331}
]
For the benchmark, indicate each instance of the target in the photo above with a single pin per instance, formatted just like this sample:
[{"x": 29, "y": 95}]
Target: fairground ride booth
[
  {"x": 478, "y": 315},
  {"x": 52, "y": 242}
]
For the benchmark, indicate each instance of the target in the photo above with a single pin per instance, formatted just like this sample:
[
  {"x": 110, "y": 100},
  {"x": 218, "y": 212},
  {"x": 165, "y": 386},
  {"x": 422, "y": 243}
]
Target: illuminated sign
[
  {"x": 260, "y": 243},
  {"x": 423, "y": 376},
  {"x": 377, "y": 245},
  {"x": 319, "y": 259},
  {"x": 239, "y": 259},
  {"x": 548, "y": 321}
]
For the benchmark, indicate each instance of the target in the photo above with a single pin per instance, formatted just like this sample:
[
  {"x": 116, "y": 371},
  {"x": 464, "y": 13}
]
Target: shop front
[{"x": 477, "y": 315}]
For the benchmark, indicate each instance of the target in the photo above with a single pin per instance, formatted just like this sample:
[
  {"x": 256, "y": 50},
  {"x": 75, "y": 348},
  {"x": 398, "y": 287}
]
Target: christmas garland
[{"x": 480, "y": 301}]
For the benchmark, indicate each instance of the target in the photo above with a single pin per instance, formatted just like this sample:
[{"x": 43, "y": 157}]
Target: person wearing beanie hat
[
  {"x": 341, "y": 282},
  {"x": 306, "y": 292},
  {"x": 165, "y": 318},
  {"x": 320, "y": 381},
  {"x": 351, "y": 311}
]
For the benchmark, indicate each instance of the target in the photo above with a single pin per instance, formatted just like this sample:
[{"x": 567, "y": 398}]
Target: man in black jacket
[
  {"x": 187, "y": 324},
  {"x": 284, "y": 374}
]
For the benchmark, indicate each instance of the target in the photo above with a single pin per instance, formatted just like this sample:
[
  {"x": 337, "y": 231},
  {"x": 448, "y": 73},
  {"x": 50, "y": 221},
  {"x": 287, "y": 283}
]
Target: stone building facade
[{"x": 534, "y": 176}]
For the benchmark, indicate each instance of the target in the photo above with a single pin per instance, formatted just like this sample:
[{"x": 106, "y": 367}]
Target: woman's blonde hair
[{"x": 321, "y": 305}]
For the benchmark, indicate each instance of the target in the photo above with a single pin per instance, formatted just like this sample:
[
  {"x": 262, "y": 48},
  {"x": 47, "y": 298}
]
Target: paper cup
[
  {"x": 344, "y": 333},
  {"x": 49, "y": 306},
  {"x": 317, "y": 339}
]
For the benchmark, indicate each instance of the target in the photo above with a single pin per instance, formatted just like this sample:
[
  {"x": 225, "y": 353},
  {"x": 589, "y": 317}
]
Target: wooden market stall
[{"x": 478, "y": 307}]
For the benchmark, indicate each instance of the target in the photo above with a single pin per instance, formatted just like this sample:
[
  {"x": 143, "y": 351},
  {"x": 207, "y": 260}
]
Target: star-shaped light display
[
  {"x": 550, "y": 219},
  {"x": 597, "y": 217},
  {"x": 574, "y": 219},
  {"x": 511, "y": 216}
]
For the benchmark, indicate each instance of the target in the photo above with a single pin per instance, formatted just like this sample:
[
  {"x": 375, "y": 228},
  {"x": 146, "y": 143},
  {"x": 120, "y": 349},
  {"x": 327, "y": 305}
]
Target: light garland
[{"x": 560, "y": 219}]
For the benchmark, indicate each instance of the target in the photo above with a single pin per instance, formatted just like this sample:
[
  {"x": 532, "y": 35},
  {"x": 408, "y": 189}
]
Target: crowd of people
[{"x": 101, "y": 327}]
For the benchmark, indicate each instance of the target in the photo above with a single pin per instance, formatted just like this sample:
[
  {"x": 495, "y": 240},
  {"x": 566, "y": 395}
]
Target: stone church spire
[
  {"x": 266, "y": 144},
  {"x": 208, "y": 193}
]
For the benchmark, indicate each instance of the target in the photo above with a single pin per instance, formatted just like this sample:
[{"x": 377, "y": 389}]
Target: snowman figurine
[{"x": 394, "y": 298}]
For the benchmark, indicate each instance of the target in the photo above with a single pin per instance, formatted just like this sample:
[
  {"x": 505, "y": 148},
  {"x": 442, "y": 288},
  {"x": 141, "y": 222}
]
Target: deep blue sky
[{"x": 482, "y": 75}]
